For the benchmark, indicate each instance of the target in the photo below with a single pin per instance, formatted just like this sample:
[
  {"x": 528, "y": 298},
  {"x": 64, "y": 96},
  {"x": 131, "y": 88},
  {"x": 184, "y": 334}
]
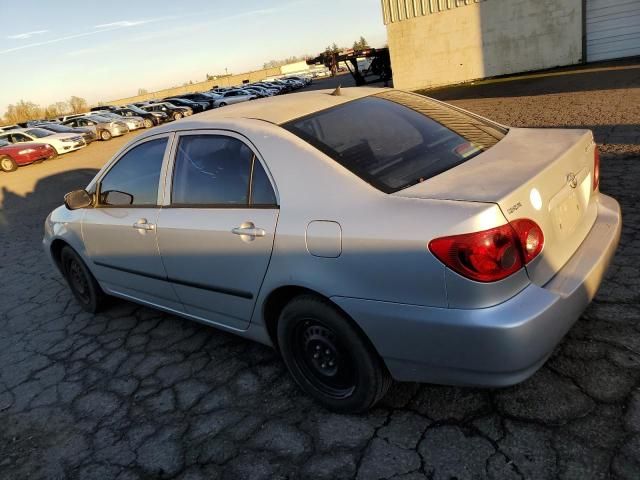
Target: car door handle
[
  {"x": 248, "y": 229},
  {"x": 143, "y": 225}
]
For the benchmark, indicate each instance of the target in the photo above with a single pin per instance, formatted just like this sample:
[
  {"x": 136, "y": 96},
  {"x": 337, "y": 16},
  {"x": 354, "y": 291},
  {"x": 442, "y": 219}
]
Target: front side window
[
  {"x": 395, "y": 139},
  {"x": 216, "y": 170},
  {"x": 134, "y": 179},
  {"x": 19, "y": 138}
]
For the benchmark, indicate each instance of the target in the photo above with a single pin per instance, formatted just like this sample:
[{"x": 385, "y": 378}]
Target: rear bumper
[{"x": 495, "y": 346}]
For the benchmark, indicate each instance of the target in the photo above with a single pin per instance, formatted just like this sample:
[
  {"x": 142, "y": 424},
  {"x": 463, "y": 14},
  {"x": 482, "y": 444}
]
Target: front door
[
  {"x": 216, "y": 234},
  {"x": 120, "y": 231}
]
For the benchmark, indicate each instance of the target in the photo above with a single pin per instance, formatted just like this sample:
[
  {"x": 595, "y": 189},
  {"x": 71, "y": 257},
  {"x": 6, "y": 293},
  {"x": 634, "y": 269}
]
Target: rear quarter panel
[{"x": 384, "y": 239}]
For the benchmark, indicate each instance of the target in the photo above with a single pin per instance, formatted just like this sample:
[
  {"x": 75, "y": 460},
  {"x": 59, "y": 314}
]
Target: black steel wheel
[
  {"x": 320, "y": 355},
  {"x": 329, "y": 357},
  {"x": 82, "y": 283}
]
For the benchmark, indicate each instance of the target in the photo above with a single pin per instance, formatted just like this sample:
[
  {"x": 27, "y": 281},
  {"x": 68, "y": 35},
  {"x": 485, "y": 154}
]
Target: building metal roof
[{"x": 399, "y": 10}]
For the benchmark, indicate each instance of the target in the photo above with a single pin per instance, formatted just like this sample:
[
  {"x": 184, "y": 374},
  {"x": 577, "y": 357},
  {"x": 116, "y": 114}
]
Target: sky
[{"x": 50, "y": 50}]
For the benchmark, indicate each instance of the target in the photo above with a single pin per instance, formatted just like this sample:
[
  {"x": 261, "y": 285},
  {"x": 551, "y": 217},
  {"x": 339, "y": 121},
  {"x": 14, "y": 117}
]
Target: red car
[{"x": 12, "y": 155}]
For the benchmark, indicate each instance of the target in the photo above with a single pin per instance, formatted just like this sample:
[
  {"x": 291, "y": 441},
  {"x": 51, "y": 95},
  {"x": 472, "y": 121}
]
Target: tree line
[{"x": 25, "y": 110}]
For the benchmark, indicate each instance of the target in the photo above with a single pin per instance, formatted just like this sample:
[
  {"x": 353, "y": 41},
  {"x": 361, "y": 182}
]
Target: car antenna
[{"x": 336, "y": 92}]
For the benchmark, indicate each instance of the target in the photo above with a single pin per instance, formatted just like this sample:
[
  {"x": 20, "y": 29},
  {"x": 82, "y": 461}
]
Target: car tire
[
  {"x": 148, "y": 123},
  {"x": 8, "y": 164},
  {"x": 81, "y": 281},
  {"x": 329, "y": 357},
  {"x": 222, "y": 104},
  {"x": 105, "y": 135},
  {"x": 177, "y": 116}
]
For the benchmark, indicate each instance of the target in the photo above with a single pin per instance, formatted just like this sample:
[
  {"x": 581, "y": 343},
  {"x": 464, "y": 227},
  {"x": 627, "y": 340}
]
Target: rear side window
[
  {"x": 216, "y": 170},
  {"x": 134, "y": 179},
  {"x": 395, "y": 139}
]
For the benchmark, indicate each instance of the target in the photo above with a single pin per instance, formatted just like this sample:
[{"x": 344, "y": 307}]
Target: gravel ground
[{"x": 135, "y": 393}]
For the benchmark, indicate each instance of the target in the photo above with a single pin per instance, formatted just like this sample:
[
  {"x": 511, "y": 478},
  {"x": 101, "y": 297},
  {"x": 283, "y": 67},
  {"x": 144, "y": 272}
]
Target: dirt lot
[{"x": 134, "y": 393}]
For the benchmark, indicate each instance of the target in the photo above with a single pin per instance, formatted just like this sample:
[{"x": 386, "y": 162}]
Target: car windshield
[
  {"x": 56, "y": 128},
  {"x": 135, "y": 109},
  {"x": 39, "y": 132},
  {"x": 99, "y": 118},
  {"x": 393, "y": 140}
]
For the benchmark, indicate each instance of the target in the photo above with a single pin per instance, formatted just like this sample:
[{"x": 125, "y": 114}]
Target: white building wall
[{"x": 468, "y": 39}]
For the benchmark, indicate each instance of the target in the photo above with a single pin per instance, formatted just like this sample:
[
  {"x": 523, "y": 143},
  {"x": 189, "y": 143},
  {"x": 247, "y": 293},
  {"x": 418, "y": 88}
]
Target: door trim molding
[{"x": 211, "y": 288}]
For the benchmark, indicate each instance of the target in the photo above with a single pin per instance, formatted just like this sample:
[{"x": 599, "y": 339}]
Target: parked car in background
[
  {"x": 234, "y": 96},
  {"x": 275, "y": 90},
  {"x": 307, "y": 80},
  {"x": 196, "y": 107},
  {"x": 102, "y": 108},
  {"x": 104, "y": 128},
  {"x": 285, "y": 86},
  {"x": 64, "y": 118},
  {"x": 452, "y": 249},
  {"x": 23, "y": 153},
  {"x": 172, "y": 111},
  {"x": 6, "y": 128},
  {"x": 203, "y": 97},
  {"x": 88, "y": 134},
  {"x": 150, "y": 118},
  {"x": 257, "y": 91},
  {"x": 61, "y": 142},
  {"x": 132, "y": 122}
]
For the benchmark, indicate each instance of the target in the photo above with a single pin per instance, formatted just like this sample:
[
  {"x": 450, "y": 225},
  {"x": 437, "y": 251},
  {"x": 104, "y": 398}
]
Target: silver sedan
[{"x": 366, "y": 235}]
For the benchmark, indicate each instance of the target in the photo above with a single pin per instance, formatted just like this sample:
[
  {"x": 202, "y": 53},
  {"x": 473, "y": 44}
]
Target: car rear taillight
[
  {"x": 596, "y": 168},
  {"x": 490, "y": 255},
  {"x": 530, "y": 236}
]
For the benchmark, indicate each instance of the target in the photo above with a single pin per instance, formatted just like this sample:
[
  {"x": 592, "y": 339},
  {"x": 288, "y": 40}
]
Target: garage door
[{"x": 613, "y": 29}]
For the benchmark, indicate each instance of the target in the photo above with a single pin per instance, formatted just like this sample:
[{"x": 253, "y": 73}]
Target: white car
[
  {"x": 61, "y": 142},
  {"x": 234, "y": 96},
  {"x": 6, "y": 128}
]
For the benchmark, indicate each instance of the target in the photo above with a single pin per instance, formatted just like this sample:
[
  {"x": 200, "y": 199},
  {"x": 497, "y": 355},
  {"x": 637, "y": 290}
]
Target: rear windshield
[{"x": 396, "y": 139}]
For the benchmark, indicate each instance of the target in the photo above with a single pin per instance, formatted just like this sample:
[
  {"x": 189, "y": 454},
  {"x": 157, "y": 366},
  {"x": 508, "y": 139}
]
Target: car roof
[
  {"x": 20, "y": 130},
  {"x": 282, "y": 109}
]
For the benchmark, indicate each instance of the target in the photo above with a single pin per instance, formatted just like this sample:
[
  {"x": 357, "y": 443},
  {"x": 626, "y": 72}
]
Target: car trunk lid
[{"x": 545, "y": 175}]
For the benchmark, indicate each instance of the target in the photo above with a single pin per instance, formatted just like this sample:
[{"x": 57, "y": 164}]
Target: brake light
[
  {"x": 596, "y": 168},
  {"x": 490, "y": 255},
  {"x": 530, "y": 236}
]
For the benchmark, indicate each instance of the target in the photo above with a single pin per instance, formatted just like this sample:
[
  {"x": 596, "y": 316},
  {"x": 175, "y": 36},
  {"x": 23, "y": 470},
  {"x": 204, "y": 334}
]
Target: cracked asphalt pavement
[{"x": 135, "y": 393}]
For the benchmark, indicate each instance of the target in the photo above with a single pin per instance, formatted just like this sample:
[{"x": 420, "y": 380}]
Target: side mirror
[
  {"x": 77, "y": 199},
  {"x": 117, "y": 199}
]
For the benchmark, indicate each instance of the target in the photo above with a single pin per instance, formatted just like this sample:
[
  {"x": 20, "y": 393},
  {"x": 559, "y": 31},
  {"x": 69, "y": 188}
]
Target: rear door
[{"x": 216, "y": 229}]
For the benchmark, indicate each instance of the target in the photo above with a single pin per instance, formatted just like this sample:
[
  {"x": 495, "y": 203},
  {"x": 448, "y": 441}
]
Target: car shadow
[{"x": 19, "y": 212}]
